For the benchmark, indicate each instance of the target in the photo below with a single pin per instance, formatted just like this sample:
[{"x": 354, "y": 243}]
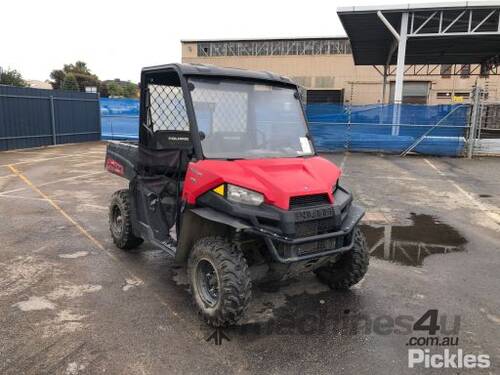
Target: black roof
[
  {"x": 371, "y": 41},
  {"x": 216, "y": 71}
]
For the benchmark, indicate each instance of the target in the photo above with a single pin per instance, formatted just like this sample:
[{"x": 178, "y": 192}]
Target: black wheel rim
[
  {"x": 207, "y": 282},
  {"x": 116, "y": 221}
]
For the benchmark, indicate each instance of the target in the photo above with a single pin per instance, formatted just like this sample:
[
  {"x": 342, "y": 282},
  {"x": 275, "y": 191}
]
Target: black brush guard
[{"x": 288, "y": 250}]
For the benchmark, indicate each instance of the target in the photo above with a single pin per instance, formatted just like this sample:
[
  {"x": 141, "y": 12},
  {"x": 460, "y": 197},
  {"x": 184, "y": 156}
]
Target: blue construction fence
[
  {"x": 435, "y": 129},
  {"x": 119, "y": 119}
]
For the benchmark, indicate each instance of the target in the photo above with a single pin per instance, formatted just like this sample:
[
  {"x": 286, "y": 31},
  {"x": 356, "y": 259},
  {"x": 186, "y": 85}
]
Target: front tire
[
  {"x": 350, "y": 268},
  {"x": 120, "y": 221},
  {"x": 220, "y": 281}
]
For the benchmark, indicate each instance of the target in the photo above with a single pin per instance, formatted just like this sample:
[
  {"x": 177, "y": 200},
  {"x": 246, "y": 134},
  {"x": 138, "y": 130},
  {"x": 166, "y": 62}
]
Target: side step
[{"x": 169, "y": 246}]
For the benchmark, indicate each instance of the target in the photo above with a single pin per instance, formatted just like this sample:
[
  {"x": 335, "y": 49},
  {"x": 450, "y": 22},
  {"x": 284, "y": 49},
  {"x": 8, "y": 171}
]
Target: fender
[
  {"x": 220, "y": 217},
  {"x": 200, "y": 222}
]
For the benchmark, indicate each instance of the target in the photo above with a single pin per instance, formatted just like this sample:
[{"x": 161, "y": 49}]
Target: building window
[
  {"x": 446, "y": 70},
  {"x": 325, "y": 96},
  {"x": 414, "y": 92},
  {"x": 275, "y": 47},
  {"x": 465, "y": 71},
  {"x": 203, "y": 49},
  {"x": 443, "y": 95},
  {"x": 465, "y": 95}
]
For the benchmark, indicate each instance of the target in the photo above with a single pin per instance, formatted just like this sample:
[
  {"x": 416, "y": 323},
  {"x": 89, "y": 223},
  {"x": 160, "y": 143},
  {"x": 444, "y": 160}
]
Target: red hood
[{"x": 278, "y": 179}]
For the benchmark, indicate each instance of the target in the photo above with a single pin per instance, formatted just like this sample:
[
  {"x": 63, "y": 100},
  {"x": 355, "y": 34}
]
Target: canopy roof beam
[
  {"x": 465, "y": 23},
  {"x": 388, "y": 25}
]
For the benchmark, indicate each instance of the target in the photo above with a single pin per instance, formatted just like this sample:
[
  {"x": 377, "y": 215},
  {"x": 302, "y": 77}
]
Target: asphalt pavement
[{"x": 71, "y": 302}]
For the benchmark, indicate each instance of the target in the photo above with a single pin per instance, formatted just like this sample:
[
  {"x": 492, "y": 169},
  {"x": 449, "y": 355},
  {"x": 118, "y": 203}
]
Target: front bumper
[
  {"x": 288, "y": 250},
  {"x": 292, "y": 235}
]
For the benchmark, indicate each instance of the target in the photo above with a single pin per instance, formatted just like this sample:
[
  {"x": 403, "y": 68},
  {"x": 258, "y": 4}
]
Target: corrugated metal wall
[{"x": 36, "y": 117}]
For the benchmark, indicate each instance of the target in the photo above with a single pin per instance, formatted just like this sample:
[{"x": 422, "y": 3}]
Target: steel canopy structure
[{"x": 440, "y": 33}]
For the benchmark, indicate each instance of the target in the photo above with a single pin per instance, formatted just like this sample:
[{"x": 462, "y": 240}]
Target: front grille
[
  {"x": 303, "y": 201},
  {"x": 314, "y": 227},
  {"x": 307, "y": 229},
  {"x": 287, "y": 250}
]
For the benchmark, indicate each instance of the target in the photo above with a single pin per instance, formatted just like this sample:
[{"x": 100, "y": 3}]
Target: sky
[{"x": 118, "y": 37}]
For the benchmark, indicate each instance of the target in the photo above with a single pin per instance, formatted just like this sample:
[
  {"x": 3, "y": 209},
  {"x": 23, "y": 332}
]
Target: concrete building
[{"x": 325, "y": 68}]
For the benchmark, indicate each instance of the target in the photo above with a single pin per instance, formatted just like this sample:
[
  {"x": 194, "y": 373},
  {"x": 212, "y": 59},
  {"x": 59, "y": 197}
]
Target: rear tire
[
  {"x": 350, "y": 268},
  {"x": 120, "y": 221},
  {"x": 220, "y": 281}
]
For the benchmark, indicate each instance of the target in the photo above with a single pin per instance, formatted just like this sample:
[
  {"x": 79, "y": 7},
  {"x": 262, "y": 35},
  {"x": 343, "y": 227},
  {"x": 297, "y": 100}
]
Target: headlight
[{"x": 241, "y": 195}]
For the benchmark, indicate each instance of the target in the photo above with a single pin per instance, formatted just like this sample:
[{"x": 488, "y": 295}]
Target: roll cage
[{"x": 167, "y": 116}]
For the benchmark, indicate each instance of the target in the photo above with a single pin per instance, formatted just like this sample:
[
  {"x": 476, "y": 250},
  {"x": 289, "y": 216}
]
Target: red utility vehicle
[{"x": 225, "y": 178}]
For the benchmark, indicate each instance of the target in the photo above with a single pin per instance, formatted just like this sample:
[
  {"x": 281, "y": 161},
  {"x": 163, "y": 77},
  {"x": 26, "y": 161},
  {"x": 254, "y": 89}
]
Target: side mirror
[{"x": 202, "y": 135}]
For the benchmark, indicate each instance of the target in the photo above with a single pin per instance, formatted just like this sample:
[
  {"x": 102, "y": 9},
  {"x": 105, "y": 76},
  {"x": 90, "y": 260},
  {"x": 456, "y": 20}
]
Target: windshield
[{"x": 245, "y": 120}]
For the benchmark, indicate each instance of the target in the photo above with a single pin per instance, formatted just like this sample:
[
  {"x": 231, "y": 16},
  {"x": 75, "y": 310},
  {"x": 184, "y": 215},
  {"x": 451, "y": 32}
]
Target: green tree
[
  {"x": 103, "y": 90},
  {"x": 78, "y": 67},
  {"x": 115, "y": 89},
  {"x": 80, "y": 71},
  {"x": 57, "y": 76},
  {"x": 70, "y": 83},
  {"x": 130, "y": 90},
  {"x": 12, "y": 77}
]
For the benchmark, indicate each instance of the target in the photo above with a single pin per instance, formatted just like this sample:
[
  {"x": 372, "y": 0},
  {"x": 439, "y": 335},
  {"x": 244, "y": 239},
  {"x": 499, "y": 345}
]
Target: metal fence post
[
  {"x": 349, "y": 119},
  {"x": 474, "y": 121},
  {"x": 53, "y": 120},
  {"x": 99, "y": 113}
]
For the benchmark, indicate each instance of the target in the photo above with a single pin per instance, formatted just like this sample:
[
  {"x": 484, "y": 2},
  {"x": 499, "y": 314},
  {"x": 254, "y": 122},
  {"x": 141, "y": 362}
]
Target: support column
[
  {"x": 400, "y": 72},
  {"x": 384, "y": 84}
]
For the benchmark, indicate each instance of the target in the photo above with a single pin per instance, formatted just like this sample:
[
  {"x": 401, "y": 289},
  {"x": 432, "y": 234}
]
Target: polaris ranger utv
[{"x": 225, "y": 178}]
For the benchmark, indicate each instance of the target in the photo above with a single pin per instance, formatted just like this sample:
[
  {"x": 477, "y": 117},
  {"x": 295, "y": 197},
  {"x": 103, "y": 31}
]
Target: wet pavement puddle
[
  {"x": 304, "y": 306},
  {"x": 410, "y": 244}
]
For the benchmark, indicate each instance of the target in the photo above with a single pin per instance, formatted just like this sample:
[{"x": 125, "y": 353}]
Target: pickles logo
[{"x": 448, "y": 359}]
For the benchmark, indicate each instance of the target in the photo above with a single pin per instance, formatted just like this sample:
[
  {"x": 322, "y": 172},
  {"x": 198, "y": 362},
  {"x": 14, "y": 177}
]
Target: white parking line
[
  {"x": 21, "y": 197},
  {"x": 492, "y": 215},
  {"x": 122, "y": 267},
  {"x": 47, "y": 159},
  {"x": 54, "y": 182},
  {"x": 40, "y": 153},
  {"x": 397, "y": 178}
]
